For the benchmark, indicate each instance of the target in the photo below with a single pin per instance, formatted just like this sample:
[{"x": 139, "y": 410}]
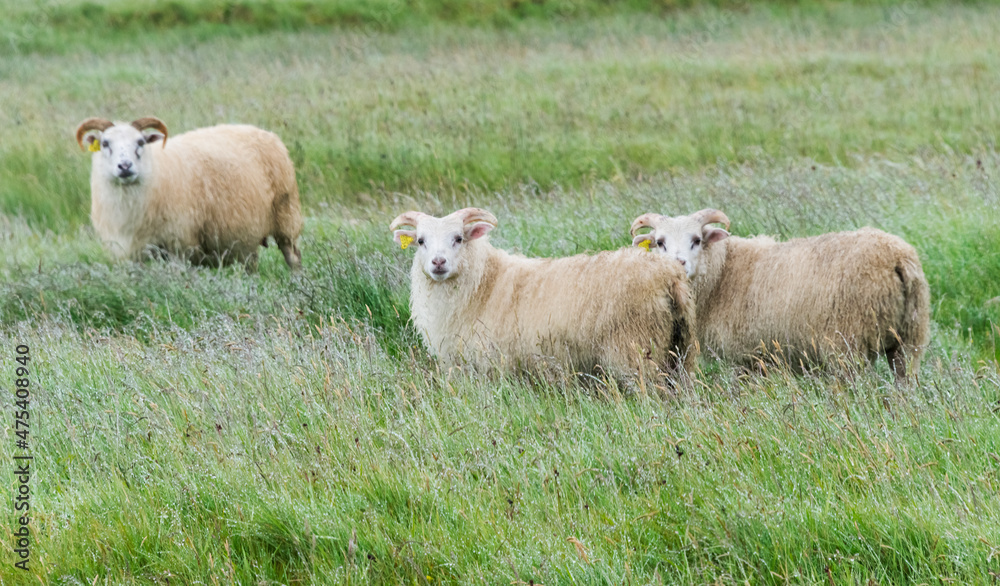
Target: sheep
[
  {"x": 805, "y": 299},
  {"x": 213, "y": 196},
  {"x": 622, "y": 311}
]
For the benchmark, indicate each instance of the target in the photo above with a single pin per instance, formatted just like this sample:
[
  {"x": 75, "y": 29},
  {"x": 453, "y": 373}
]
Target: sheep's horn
[
  {"x": 151, "y": 122},
  {"x": 410, "y": 218},
  {"x": 470, "y": 215},
  {"x": 711, "y": 216},
  {"x": 643, "y": 221},
  {"x": 91, "y": 124}
]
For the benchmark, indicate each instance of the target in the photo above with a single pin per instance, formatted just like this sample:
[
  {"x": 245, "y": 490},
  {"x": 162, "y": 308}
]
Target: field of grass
[{"x": 199, "y": 426}]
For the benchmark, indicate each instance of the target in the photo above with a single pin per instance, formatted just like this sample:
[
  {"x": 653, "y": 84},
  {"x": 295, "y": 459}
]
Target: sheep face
[
  {"x": 682, "y": 238},
  {"x": 442, "y": 243},
  {"x": 120, "y": 150}
]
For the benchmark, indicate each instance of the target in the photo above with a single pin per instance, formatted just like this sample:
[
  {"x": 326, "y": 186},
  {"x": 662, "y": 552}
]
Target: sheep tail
[{"x": 914, "y": 326}]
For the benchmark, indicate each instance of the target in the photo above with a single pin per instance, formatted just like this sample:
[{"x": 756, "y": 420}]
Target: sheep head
[
  {"x": 442, "y": 243},
  {"x": 681, "y": 237},
  {"x": 119, "y": 148}
]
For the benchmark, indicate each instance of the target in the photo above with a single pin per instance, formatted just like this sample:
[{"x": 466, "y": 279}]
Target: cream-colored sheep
[
  {"x": 620, "y": 311},
  {"x": 804, "y": 299},
  {"x": 214, "y": 195}
]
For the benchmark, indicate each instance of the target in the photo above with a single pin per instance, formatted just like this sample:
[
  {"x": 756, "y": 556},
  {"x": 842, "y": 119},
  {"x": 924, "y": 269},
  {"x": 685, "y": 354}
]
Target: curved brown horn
[
  {"x": 151, "y": 122},
  {"x": 711, "y": 216},
  {"x": 89, "y": 124},
  {"x": 470, "y": 215},
  {"x": 410, "y": 218},
  {"x": 644, "y": 221}
]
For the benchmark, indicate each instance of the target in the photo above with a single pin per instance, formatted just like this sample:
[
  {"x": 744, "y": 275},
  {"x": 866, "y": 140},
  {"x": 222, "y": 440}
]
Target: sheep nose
[
  {"x": 438, "y": 262},
  {"x": 125, "y": 165}
]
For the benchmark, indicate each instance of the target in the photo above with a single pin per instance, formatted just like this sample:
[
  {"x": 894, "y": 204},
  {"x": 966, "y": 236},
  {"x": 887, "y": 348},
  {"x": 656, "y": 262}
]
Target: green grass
[
  {"x": 46, "y": 24},
  {"x": 440, "y": 109},
  {"x": 253, "y": 448},
  {"x": 206, "y": 426}
]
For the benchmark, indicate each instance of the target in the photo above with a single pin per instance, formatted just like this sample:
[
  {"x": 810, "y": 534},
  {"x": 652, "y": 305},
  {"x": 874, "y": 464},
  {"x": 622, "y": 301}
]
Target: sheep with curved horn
[
  {"x": 620, "y": 311},
  {"x": 214, "y": 196},
  {"x": 859, "y": 292}
]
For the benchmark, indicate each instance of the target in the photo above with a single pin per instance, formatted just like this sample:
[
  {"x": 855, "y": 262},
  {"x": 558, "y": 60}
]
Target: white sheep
[
  {"x": 805, "y": 299},
  {"x": 213, "y": 196},
  {"x": 621, "y": 311}
]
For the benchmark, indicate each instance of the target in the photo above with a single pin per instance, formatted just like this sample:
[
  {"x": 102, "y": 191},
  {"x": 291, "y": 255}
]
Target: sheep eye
[
  {"x": 104, "y": 144},
  {"x": 659, "y": 243},
  {"x": 142, "y": 142},
  {"x": 458, "y": 239},
  {"x": 420, "y": 241},
  {"x": 695, "y": 241}
]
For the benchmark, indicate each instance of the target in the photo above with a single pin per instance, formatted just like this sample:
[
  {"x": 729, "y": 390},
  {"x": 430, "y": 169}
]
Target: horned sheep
[
  {"x": 804, "y": 299},
  {"x": 214, "y": 195},
  {"x": 621, "y": 311}
]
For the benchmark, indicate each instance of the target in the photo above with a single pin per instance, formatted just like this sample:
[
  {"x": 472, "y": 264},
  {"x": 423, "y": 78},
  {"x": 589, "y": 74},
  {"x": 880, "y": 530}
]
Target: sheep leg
[
  {"x": 250, "y": 262},
  {"x": 155, "y": 252},
  {"x": 246, "y": 255},
  {"x": 897, "y": 361}
]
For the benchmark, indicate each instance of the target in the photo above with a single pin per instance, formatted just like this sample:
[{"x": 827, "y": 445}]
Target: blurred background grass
[
  {"x": 441, "y": 108},
  {"x": 267, "y": 15}
]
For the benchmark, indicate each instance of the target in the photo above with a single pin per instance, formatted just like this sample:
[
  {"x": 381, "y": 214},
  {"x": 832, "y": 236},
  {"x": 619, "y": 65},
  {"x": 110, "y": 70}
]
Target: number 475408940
[{"x": 22, "y": 383}]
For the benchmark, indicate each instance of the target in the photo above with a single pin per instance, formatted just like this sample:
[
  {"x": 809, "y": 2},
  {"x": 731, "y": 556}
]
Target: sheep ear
[
  {"x": 710, "y": 235},
  {"x": 643, "y": 241},
  {"x": 153, "y": 137},
  {"x": 404, "y": 237},
  {"x": 477, "y": 230}
]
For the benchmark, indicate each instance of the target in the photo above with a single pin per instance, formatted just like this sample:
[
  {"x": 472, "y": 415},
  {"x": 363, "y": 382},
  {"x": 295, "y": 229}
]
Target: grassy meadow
[{"x": 205, "y": 426}]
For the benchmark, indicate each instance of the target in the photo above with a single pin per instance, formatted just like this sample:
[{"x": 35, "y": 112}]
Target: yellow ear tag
[
  {"x": 644, "y": 244},
  {"x": 405, "y": 241},
  {"x": 94, "y": 146}
]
